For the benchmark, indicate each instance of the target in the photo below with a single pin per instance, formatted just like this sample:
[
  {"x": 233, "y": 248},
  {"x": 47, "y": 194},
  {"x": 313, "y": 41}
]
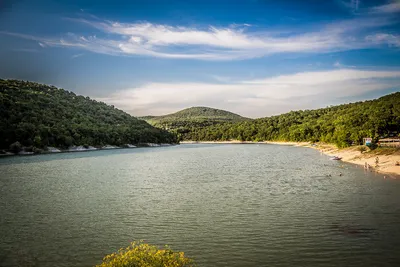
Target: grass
[{"x": 384, "y": 151}]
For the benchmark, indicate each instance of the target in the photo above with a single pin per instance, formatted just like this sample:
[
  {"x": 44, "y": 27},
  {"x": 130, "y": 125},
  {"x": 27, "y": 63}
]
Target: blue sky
[{"x": 256, "y": 57}]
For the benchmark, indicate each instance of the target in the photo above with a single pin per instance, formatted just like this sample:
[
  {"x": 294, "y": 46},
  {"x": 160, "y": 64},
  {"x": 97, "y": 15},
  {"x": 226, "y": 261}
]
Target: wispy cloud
[
  {"x": 352, "y": 5},
  {"x": 77, "y": 55},
  {"x": 41, "y": 44},
  {"x": 28, "y": 50},
  {"x": 255, "y": 98},
  {"x": 384, "y": 38},
  {"x": 388, "y": 8},
  {"x": 213, "y": 43},
  {"x": 337, "y": 64},
  {"x": 340, "y": 65}
]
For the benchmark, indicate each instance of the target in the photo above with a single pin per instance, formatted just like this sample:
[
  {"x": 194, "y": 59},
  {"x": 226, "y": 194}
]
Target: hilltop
[
  {"x": 38, "y": 115},
  {"x": 184, "y": 121},
  {"x": 342, "y": 125}
]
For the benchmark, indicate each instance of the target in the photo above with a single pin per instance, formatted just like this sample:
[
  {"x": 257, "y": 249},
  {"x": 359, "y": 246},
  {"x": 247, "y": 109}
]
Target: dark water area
[{"x": 223, "y": 205}]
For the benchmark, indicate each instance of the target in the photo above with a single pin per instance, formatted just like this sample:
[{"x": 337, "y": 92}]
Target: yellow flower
[{"x": 140, "y": 254}]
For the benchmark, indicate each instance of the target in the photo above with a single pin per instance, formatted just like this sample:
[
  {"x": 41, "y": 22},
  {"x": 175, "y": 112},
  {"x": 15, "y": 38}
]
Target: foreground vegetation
[
  {"x": 37, "y": 115},
  {"x": 342, "y": 125},
  {"x": 139, "y": 254},
  {"x": 183, "y": 122}
]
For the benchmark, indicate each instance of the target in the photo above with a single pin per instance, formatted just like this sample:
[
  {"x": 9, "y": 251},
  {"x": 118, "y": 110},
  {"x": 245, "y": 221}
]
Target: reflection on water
[{"x": 224, "y": 205}]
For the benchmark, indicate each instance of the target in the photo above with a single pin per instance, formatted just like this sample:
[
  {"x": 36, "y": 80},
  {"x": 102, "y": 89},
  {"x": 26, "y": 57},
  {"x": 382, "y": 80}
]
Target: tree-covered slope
[
  {"x": 40, "y": 115},
  {"x": 184, "y": 121},
  {"x": 342, "y": 125}
]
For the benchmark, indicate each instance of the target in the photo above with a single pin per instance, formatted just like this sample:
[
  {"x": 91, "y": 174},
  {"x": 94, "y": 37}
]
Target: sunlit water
[{"x": 224, "y": 205}]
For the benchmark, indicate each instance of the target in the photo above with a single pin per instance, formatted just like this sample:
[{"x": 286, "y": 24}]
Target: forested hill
[
  {"x": 40, "y": 115},
  {"x": 342, "y": 125},
  {"x": 186, "y": 120}
]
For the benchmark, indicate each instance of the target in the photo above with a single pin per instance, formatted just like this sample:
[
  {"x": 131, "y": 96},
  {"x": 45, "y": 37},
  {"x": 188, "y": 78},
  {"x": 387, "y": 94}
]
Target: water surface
[{"x": 224, "y": 205}]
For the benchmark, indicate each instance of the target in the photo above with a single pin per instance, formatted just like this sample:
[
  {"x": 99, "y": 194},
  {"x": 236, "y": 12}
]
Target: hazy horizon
[{"x": 253, "y": 58}]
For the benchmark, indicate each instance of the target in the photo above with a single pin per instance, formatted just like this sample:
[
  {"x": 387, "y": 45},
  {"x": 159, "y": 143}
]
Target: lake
[{"x": 223, "y": 205}]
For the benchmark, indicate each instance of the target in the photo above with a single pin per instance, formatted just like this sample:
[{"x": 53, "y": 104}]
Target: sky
[{"x": 256, "y": 58}]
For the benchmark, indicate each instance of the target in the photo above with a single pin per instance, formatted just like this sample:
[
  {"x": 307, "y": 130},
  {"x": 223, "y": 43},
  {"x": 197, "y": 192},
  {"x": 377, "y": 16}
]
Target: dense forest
[
  {"x": 342, "y": 125},
  {"x": 191, "y": 119},
  {"x": 37, "y": 115}
]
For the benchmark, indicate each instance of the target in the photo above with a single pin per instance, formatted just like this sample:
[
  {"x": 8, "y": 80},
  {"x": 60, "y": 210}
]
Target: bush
[
  {"x": 362, "y": 149},
  {"x": 139, "y": 254},
  {"x": 16, "y": 147},
  {"x": 37, "y": 150}
]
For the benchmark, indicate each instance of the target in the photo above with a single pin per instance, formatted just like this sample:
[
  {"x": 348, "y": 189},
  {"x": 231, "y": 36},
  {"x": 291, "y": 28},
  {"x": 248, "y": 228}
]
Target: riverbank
[
  {"x": 387, "y": 157},
  {"x": 218, "y": 142},
  {"x": 72, "y": 149},
  {"x": 247, "y": 142}
]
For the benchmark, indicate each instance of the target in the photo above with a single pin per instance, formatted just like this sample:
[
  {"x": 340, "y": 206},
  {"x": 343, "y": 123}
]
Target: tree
[{"x": 37, "y": 141}]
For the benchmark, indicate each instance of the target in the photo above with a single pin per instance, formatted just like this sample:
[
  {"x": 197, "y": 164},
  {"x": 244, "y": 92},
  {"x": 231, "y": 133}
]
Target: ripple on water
[{"x": 224, "y": 205}]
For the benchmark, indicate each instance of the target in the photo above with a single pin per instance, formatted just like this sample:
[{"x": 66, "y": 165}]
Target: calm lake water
[{"x": 224, "y": 205}]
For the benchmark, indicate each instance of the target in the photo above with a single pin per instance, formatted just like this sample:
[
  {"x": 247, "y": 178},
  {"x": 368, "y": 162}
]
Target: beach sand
[{"x": 387, "y": 159}]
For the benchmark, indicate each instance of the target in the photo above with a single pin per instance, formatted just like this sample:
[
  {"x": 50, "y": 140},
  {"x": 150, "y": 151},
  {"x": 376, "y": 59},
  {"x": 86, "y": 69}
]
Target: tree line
[{"x": 342, "y": 125}]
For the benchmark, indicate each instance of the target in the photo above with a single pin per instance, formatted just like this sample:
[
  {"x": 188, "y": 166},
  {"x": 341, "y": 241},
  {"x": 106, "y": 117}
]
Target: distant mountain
[
  {"x": 37, "y": 115},
  {"x": 184, "y": 121}
]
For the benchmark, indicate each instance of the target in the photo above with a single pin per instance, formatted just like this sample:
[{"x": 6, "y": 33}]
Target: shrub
[
  {"x": 16, "y": 147},
  {"x": 362, "y": 149},
  {"x": 37, "y": 150},
  {"x": 139, "y": 254}
]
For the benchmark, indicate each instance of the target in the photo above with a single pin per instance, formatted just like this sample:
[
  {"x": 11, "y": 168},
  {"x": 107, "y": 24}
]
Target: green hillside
[
  {"x": 184, "y": 121},
  {"x": 39, "y": 115},
  {"x": 342, "y": 125}
]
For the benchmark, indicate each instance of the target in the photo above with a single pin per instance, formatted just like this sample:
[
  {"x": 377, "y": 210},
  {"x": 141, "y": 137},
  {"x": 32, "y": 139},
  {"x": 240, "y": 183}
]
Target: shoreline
[
  {"x": 352, "y": 155},
  {"x": 247, "y": 142},
  {"x": 77, "y": 150}
]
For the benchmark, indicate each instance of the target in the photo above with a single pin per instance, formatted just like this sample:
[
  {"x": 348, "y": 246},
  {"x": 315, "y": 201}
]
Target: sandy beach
[{"x": 387, "y": 159}]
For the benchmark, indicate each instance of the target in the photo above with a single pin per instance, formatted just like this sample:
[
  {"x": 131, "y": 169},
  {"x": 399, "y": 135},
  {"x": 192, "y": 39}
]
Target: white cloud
[
  {"x": 324, "y": 77},
  {"x": 41, "y": 44},
  {"x": 384, "y": 38},
  {"x": 255, "y": 98},
  {"x": 388, "y": 8},
  {"x": 214, "y": 43},
  {"x": 337, "y": 64},
  {"x": 77, "y": 55}
]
